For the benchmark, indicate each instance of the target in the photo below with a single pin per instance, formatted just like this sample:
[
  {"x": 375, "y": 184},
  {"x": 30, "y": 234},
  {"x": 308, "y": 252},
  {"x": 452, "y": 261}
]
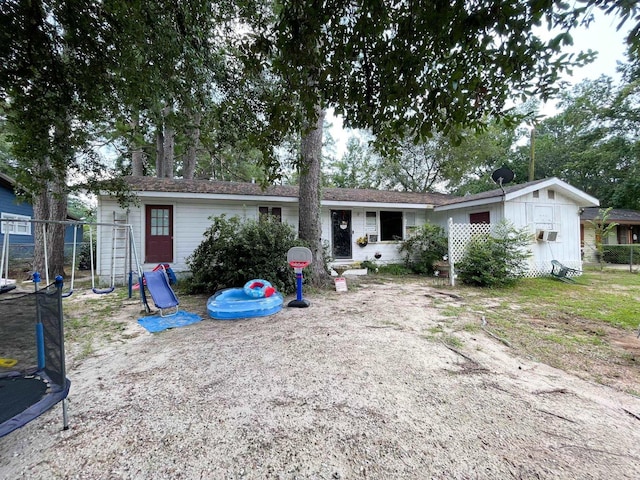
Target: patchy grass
[
  {"x": 587, "y": 328},
  {"x": 90, "y": 323}
]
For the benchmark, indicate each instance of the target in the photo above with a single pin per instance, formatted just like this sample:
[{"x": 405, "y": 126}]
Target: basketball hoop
[{"x": 299, "y": 258}]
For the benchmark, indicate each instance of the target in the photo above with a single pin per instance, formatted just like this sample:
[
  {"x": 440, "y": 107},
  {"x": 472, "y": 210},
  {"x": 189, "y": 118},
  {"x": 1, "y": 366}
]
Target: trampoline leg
[
  {"x": 65, "y": 417},
  {"x": 40, "y": 344}
]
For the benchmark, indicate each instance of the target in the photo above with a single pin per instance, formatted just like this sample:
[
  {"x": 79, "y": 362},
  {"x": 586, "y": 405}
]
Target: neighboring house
[
  {"x": 172, "y": 215},
  {"x": 20, "y": 229},
  {"x": 626, "y": 232}
]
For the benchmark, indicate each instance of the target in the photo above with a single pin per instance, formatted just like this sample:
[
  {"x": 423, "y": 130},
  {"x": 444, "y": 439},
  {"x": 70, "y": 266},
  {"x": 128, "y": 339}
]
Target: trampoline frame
[{"x": 54, "y": 393}]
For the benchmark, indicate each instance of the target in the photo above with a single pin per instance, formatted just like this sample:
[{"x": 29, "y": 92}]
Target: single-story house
[
  {"x": 626, "y": 232},
  {"x": 17, "y": 219},
  {"x": 172, "y": 214}
]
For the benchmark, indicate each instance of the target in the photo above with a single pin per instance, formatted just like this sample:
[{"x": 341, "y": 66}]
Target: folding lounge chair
[{"x": 563, "y": 273}]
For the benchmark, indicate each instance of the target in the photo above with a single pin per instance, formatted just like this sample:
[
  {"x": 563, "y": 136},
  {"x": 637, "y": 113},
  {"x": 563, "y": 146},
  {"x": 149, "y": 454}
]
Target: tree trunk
[
  {"x": 169, "y": 143},
  {"x": 160, "y": 150},
  {"x": 189, "y": 166},
  {"x": 309, "y": 223},
  {"x": 137, "y": 154},
  {"x": 49, "y": 204}
]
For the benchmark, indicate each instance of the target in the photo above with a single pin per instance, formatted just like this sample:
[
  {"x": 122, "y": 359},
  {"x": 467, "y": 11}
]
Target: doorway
[{"x": 341, "y": 230}]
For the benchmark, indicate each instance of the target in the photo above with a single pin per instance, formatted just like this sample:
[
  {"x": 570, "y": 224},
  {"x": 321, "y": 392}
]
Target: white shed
[{"x": 550, "y": 209}]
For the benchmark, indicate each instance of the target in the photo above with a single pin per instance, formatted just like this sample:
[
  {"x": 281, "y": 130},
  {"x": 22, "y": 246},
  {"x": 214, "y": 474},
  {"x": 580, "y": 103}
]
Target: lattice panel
[{"x": 461, "y": 233}]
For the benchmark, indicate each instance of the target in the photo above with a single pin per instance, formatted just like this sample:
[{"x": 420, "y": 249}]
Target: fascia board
[
  {"x": 403, "y": 206},
  {"x": 214, "y": 196},
  {"x": 472, "y": 203}
]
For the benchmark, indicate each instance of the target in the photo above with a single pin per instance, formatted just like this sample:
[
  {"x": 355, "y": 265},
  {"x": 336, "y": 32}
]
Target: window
[
  {"x": 480, "y": 217},
  {"x": 160, "y": 221},
  {"x": 551, "y": 194},
  {"x": 371, "y": 222},
  {"x": 410, "y": 224},
  {"x": 21, "y": 225},
  {"x": 275, "y": 212},
  {"x": 536, "y": 194},
  {"x": 390, "y": 226}
]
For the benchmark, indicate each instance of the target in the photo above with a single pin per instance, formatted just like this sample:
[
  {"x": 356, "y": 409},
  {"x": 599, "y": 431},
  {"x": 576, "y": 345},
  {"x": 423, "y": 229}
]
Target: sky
[{"x": 601, "y": 36}]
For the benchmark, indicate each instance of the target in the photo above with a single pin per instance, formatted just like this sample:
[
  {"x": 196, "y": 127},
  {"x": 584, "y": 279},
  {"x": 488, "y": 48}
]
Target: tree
[
  {"x": 592, "y": 143},
  {"x": 52, "y": 81},
  {"x": 601, "y": 228},
  {"x": 415, "y": 67},
  {"x": 359, "y": 167}
]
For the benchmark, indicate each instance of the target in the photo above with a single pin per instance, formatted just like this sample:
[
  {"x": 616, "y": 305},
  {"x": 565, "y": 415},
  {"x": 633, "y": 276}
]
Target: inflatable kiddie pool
[{"x": 235, "y": 303}]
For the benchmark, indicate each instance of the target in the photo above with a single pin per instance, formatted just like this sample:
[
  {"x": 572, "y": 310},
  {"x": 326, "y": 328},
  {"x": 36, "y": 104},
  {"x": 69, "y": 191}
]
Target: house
[
  {"x": 21, "y": 227},
  {"x": 172, "y": 214},
  {"x": 626, "y": 232}
]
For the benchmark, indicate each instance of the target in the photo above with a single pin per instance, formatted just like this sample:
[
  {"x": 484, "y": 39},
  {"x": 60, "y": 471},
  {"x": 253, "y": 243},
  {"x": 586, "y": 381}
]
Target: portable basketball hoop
[{"x": 298, "y": 258}]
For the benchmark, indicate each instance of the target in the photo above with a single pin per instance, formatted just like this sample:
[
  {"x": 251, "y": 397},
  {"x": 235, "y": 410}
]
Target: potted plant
[{"x": 362, "y": 241}]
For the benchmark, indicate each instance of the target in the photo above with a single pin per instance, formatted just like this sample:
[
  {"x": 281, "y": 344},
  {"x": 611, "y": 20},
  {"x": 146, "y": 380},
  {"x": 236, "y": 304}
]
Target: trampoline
[{"x": 32, "y": 367}]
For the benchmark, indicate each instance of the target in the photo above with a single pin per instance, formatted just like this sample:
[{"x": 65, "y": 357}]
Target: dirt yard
[{"x": 382, "y": 382}]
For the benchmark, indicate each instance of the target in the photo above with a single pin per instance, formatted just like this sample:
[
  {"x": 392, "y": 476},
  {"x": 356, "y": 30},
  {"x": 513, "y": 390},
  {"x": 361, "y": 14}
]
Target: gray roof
[
  {"x": 618, "y": 215},
  {"x": 152, "y": 184},
  {"x": 493, "y": 193}
]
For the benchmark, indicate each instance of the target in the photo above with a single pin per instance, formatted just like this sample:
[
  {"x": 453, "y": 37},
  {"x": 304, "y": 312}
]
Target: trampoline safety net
[{"x": 32, "y": 366}]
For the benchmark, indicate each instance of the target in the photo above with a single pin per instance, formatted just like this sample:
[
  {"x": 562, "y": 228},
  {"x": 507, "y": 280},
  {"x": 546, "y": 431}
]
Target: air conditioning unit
[
  {"x": 372, "y": 237},
  {"x": 547, "y": 235}
]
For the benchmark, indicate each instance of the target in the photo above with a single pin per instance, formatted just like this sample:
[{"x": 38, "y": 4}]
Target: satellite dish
[{"x": 503, "y": 176}]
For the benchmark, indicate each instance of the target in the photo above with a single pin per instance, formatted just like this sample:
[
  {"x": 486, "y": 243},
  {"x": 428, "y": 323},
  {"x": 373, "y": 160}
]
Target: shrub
[
  {"x": 424, "y": 248},
  {"x": 495, "y": 260},
  {"x": 394, "y": 269},
  {"x": 234, "y": 252}
]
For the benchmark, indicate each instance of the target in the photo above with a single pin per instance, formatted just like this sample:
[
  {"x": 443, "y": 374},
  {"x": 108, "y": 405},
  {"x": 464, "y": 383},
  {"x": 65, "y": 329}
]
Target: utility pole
[{"x": 532, "y": 161}]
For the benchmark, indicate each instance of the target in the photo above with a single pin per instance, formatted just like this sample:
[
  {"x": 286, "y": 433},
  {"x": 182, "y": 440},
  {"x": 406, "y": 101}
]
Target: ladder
[{"x": 121, "y": 253}]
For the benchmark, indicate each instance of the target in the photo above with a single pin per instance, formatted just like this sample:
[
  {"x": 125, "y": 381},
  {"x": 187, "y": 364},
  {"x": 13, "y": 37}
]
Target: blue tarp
[{"x": 158, "y": 323}]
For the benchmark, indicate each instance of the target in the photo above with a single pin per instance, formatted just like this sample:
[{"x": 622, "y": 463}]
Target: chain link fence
[
  {"x": 20, "y": 259},
  {"x": 625, "y": 256}
]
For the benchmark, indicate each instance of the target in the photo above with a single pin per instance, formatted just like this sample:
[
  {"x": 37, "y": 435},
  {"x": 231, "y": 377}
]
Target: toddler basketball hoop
[{"x": 298, "y": 258}]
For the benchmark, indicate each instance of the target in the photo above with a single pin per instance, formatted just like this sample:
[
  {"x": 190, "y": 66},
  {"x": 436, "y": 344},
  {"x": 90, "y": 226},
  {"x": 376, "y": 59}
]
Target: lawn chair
[{"x": 562, "y": 273}]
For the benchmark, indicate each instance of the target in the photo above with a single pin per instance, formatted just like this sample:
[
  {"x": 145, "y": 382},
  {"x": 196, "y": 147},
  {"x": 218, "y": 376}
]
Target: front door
[
  {"x": 341, "y": 233},
  {"x": 159, "y": 234}
]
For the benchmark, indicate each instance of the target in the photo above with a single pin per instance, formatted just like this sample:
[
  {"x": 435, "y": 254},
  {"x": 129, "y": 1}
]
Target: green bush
[
  {"x": 394, "y": 269},
  {"x": 427, "y": 246},
  {"x": 495, "y": 260},
  {"x": 234, "y": 252}
]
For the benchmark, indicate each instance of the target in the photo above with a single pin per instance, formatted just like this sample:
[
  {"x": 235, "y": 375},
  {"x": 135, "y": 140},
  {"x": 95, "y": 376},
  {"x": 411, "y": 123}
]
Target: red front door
[{"x": 159, "y": 234}]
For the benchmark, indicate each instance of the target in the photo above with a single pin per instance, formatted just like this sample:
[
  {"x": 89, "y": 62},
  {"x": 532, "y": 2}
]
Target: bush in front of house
[
  {"x": 495, "y": 260},
  {"x": 425, "y": 247},
  {"x": 234, "y": 252}
]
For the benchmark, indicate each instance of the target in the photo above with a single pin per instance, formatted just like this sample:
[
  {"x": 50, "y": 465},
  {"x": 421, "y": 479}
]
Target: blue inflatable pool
[{"x": 234, "y": 303}]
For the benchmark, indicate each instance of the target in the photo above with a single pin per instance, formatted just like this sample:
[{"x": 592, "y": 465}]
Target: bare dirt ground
[{"x": 382, "y": 382}]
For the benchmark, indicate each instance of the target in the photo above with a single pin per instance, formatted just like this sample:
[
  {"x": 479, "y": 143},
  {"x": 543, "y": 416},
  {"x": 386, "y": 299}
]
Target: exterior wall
[
  {"x": 461, "y": 215},
  {"x": 9, "y": 204},
  {"x": 534, "y": 213},
  {"x": 21, "y": 245},
  {"x": 558, "y": 214},
  {"x": 191, "y": 219},
  {"x": 388, "y": 249}
]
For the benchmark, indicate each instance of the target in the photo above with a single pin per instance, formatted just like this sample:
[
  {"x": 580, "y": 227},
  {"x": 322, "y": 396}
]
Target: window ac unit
[
  {"x": 372, "y": 237},
  {"x": 547, "y": 235}
]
